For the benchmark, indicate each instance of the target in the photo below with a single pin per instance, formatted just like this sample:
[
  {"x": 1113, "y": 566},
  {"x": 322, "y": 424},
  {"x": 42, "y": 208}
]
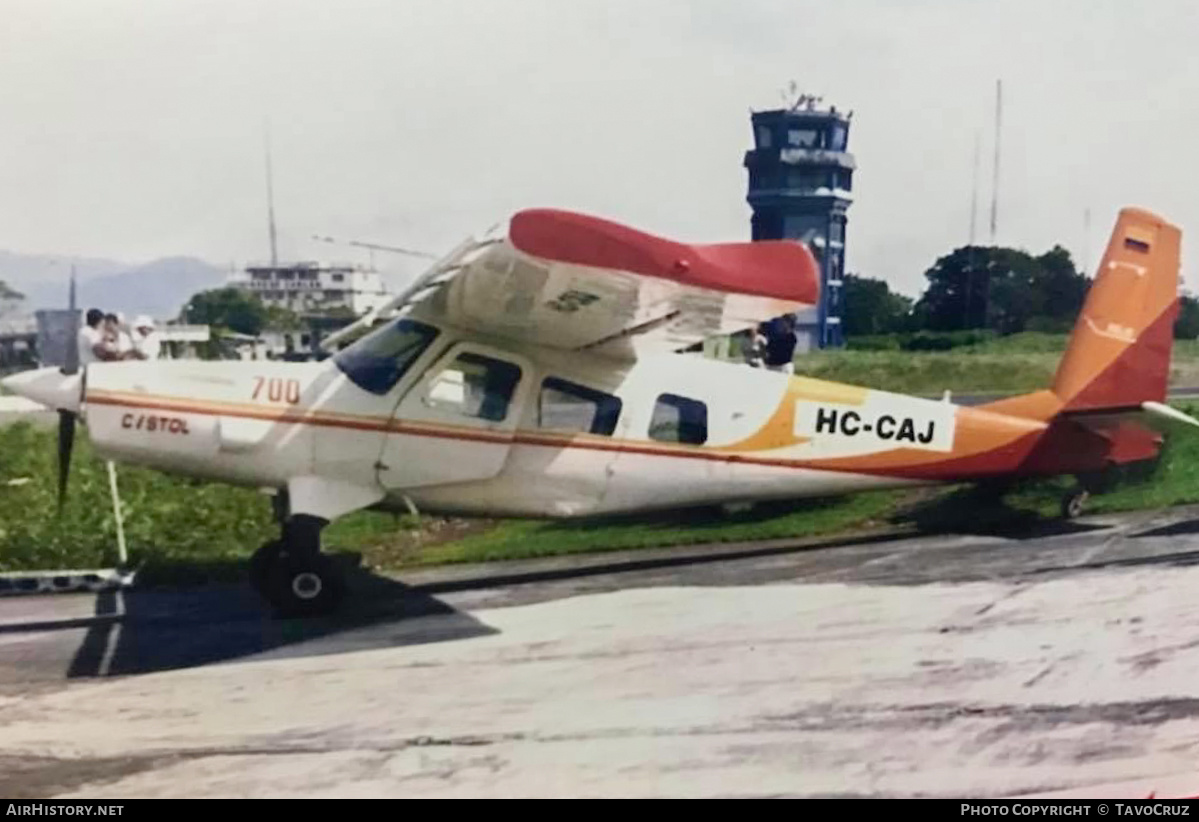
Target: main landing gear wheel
[
  {"x": 1074, "y": 502},
  {"x": 292, "y": 574},
  {"x": 304, "y": 586}
]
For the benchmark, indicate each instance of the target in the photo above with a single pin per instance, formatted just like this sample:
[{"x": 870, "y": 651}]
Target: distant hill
[{"x": 158, "y": 288}]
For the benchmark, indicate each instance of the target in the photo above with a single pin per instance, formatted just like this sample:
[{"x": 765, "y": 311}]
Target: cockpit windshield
[{"x": 376, "y": 362}]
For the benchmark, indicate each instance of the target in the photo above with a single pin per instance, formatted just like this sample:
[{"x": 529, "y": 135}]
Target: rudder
[{"x": 1118, "y": 355}]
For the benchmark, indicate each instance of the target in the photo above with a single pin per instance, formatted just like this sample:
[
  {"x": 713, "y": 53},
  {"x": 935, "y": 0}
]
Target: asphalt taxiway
[{"x": 1062, "y": 658}]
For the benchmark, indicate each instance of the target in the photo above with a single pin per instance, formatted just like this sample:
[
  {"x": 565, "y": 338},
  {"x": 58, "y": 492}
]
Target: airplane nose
[{"x": 48, "y": 386}]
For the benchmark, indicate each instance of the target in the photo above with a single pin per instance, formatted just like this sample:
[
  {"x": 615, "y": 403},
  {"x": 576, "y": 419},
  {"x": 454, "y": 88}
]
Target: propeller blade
[{"x": 66, "y": 441}]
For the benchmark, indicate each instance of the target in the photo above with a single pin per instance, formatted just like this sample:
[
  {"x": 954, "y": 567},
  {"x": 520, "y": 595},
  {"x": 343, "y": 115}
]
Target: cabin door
[{"x": 457, "y": 423}]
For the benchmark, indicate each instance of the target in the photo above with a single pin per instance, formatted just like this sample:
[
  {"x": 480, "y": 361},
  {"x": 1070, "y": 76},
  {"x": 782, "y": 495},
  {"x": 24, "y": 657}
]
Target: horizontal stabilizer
[{"x": 1160, "y": 410}]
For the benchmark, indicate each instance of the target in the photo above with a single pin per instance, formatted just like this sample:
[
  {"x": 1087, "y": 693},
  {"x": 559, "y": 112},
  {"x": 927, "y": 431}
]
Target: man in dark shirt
[{"x": 780, "y": 345}]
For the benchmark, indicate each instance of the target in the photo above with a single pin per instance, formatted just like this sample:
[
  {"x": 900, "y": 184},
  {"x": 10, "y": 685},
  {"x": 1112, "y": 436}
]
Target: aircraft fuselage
[{"x": 477, "y": 427}]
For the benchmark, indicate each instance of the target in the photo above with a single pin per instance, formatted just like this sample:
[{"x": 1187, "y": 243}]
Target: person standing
[
  {"x": 146, "y": 342},
  {"x": 780, "y": 345},
  {"x": 91, "y": 343},
  {"x": 124, "y": 342},
  {"x": 755, "y": 348}
]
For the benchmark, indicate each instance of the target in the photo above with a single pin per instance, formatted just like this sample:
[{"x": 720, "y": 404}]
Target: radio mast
[
  {"x": 995, "y": 172},
  {"x": 974, "y": 191},
  {"x": 270, "y": 199}
]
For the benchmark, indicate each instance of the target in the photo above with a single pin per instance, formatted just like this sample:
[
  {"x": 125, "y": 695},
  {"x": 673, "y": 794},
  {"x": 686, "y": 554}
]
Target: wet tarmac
[{"x": 1064, "y": 657}]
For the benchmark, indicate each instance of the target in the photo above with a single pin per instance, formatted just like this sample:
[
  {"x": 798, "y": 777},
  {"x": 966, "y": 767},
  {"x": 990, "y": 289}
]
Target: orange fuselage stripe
[
  {"x": 391, "y": 425},
  {"x": 445, "y": 431}
]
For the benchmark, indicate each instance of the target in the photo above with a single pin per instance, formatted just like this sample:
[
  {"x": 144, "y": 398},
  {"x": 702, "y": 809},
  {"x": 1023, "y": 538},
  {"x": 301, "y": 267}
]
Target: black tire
[
  {"x": 304, "y": 586},
  {"x": 261, "y": 563},
  {"x": 1073, "y": 503}
]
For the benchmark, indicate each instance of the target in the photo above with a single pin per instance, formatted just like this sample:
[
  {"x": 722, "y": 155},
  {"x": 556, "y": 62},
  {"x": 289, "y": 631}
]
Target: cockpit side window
[
  {"x": 376, "y": 362},
  {"x": 474, "y": 386}
]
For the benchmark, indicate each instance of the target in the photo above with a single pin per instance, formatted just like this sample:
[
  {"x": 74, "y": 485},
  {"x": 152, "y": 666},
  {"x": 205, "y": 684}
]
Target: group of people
[
  {"x": 773, "y": 345},
  {"x": 105, "y": 337}
]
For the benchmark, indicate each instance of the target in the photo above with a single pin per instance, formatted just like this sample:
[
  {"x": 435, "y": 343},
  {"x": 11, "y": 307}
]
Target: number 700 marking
[{"x": 277, "y": 390}]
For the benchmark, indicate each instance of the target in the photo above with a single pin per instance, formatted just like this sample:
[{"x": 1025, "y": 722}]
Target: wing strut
[{"x": 436, "y": 276}]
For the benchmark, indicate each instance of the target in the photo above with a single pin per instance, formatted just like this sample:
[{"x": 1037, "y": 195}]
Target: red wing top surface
[{"x": 571, "y": 281}]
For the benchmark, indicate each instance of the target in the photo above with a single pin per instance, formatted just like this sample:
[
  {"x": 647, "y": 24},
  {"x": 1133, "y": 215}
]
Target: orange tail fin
[{"x": 1119, "y": 353}]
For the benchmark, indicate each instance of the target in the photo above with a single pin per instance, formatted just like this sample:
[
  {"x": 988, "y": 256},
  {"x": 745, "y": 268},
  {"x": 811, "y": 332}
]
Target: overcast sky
[{"x": 133, "y": 129}]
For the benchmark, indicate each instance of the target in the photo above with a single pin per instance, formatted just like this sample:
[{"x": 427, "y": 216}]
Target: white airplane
[{"x": 537, "y": 374}]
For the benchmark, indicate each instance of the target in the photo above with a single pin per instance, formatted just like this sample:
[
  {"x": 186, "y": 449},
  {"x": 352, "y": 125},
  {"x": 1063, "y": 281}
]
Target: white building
[{"x": 314, "y": 288}]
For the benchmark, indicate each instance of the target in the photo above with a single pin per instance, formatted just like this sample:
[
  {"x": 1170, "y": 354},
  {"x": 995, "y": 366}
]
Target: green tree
[
  {"x": 282, "y": 319},
  {"x": 1186, "y": 325},
  {"x": 1063, "y": 286},
  {"x": 872, "y": 308},
  {"x": 1002, "y": 289},
  {"x": 228, "y": 308}
]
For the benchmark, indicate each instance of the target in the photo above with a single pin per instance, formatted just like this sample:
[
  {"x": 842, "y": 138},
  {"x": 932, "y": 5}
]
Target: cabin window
[
  {"x": 376, "y": 362},
  {"x": 567, "y": 406},
  {"x": 678, "y": 419},
  {"x": 474, "y": 386}
]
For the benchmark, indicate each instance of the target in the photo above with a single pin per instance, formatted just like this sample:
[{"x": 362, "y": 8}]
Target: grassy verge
[
  {"x": 931, "y": 373},
  {"x": 529, "y": 539},
  {"x": 1017, "y": 363}
]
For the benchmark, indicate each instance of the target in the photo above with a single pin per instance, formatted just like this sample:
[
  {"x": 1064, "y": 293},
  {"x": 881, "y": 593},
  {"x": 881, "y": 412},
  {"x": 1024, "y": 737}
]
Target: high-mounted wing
[{"x": 574, "y": 282}]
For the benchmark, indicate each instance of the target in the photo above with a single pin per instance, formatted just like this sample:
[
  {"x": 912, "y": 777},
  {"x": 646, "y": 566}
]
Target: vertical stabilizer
[{"x": 1119, "y": 353}]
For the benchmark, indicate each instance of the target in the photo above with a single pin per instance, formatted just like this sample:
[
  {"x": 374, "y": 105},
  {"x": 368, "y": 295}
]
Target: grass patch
[
  {"x": 931, "y": 373},
  {"x": 175, "y": 527},
  {"x": 1005, "y": 365},
  {"x": 528, "y": 539},
  {"x": 164, "y": 517}
]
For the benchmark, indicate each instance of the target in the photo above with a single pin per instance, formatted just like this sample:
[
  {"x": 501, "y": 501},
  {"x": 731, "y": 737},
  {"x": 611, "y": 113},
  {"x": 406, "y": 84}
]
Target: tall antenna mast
[
  {"x": 974, "y": 191},
  {"x": 270, "y": 199},
  {"x": 995, "y": 178}
]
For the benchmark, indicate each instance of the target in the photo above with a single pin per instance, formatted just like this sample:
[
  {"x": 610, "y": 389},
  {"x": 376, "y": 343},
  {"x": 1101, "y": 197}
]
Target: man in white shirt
[
  {"x": 90, "y": 342},
  {"x": 146, "y": 344},
  {"x": 118, "y": 338}
]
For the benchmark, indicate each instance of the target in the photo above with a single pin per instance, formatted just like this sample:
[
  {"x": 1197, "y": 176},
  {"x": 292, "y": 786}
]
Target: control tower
[{"x": 800, "y": 179}]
